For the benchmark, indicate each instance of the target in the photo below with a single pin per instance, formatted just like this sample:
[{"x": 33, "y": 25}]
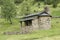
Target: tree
[
  {"x": 48, "y": 2},
  {"x": 18, "y": 1},
  {"x": 55, "y": 2},
  {"x": 26, "y": 7},
  {"x": 8, "y": 10}
]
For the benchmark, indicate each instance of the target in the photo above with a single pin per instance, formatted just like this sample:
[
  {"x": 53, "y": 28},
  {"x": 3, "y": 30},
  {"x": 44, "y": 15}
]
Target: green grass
[
  {"x": 55, "y": 11},
  {"x": 37, "y": 35},
  {"x": 5, "y": 26},
  {"x": 51, "y": 34}
]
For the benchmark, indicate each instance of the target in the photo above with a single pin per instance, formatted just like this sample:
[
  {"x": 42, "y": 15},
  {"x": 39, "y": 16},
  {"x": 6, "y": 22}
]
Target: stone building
[{"x": 38, "y": 21}]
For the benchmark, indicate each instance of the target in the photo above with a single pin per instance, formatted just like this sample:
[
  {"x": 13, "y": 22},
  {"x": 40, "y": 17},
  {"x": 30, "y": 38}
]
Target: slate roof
[{"x": 30, "y": 17}]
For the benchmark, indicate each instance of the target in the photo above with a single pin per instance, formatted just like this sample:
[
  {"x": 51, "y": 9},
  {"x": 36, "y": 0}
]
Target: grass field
[{"x": 51, "y": 34}]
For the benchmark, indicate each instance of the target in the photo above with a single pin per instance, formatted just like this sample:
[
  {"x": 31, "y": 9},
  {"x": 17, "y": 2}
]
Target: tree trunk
[{"x": 10, "y": 20}]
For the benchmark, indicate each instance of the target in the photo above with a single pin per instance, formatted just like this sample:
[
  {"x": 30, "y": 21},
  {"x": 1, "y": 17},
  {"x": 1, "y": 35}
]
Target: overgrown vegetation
[
  {"x": 12, "y": 10},
  {"x": 7, "y": 10},
  {"x": 37, "y": 35}
]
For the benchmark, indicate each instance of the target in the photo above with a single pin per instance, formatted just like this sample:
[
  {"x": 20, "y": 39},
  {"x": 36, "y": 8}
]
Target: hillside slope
[{"x": 51, "y": 34}]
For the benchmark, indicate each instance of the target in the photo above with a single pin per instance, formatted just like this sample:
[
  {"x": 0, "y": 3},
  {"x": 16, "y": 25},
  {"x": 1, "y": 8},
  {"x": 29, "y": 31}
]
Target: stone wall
[
  {"x": 45, "y": 23},
  {"x": 26, "y": 29},
  {"x": 35, "y": 24}
]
